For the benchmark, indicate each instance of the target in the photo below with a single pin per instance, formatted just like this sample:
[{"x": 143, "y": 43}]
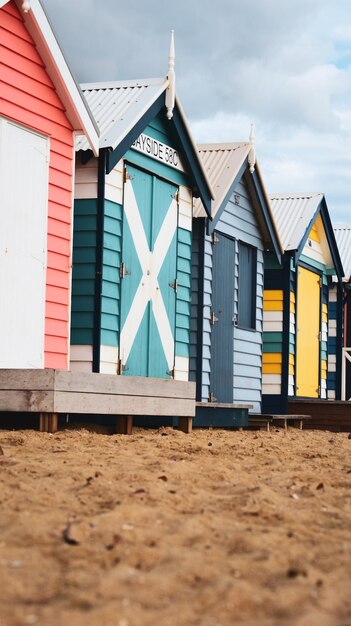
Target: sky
[{"x": 284, "y": 65}]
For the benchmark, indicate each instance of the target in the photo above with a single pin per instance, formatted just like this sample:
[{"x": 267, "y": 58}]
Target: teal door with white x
[{"x": 148, "y": 275}]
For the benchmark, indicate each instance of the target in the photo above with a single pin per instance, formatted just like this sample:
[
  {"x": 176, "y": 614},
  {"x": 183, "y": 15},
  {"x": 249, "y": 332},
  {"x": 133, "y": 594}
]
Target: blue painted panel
[{"x": 221, "y": 379}]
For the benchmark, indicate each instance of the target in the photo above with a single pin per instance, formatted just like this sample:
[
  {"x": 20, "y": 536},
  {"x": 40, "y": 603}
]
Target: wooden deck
[
  {"x": 221, "y": 415},
  {"x": 333, "y": 415},
  {"x": 264, "y": 421},
  {"x": 50, "y": 393}
]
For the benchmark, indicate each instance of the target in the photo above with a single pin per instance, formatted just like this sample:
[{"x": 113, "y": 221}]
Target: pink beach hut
[{"x": 41, "y": 109}]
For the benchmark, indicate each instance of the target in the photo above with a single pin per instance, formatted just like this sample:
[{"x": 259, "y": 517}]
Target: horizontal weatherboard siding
[
  {"x": 28, "y": 97},
  {"x": 84, "y": 269},
  {"x": 110, "y": 297}
]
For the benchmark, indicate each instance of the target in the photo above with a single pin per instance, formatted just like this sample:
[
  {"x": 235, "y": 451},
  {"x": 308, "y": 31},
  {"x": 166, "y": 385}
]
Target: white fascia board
[
  {"x": 68, "y": 91},
  {"x": 122, "y": 127}
]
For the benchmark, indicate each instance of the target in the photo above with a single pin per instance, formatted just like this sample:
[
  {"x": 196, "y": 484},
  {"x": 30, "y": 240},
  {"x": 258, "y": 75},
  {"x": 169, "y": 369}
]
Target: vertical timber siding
[{"x": 28, "y": 97}]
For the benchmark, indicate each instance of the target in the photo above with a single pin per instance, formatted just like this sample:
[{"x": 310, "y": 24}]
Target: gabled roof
[
  {"x": 343, "y": 239},
  {"x": 295, "y": 214},
  {"x": 122, "y": 109},
  {"x": 225, "y": 164},
  {"x": 222, "y": 162},
  {"x": 57, "y": 68},
  {"x": 117, "y": 106}
]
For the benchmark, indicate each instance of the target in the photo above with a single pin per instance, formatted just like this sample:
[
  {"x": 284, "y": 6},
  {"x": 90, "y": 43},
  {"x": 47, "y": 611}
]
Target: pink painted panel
[
  {"x": 11, "y": 9},
  {"x": 28, "y": 97},
  {"x": 56, "y": 295},
  {"x": 57, "y": 277},
  {"x": 56, "y": 361},
  {"x": 56, "y": 311},
  {"x": 59, "y": 196},
  {"x": 60, "y": 162},
  {"x": 25, "y": 83},
  {"x": 11, "y": 21},
  {"x": 57, "y": 147},
  {"x": 57, "y": 244},
  {"x": 56, "y": 260},
  {"x": 55, "y": 343},
  {"x": 59, "y": 229},
  {"x": 24, "y": 66},
  {"x": 60, "y": 179},
  {"x": 33, "y": 103},
  {"x": 57, "y": 328},
  {"x": 60, "y": 213}
]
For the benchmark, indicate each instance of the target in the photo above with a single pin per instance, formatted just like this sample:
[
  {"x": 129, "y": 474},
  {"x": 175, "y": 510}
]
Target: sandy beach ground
[{"x": 215, "y": 528}]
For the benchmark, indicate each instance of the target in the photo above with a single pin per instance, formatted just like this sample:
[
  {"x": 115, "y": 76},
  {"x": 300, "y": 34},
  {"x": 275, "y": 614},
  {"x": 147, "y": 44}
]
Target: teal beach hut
[{"x": 133, "y": 232}]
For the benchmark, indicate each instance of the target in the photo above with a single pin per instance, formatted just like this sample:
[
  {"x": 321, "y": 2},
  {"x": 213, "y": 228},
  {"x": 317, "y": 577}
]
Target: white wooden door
[{"x": 24, "y": 158}]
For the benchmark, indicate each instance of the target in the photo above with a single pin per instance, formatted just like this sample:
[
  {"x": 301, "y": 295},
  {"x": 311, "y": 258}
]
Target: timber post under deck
[{"x": 50, "y": 393}]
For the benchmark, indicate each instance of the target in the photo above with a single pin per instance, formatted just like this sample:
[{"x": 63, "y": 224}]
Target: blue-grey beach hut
[{"x": 227, "y": 284}]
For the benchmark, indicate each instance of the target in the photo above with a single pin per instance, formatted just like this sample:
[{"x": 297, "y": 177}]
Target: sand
[{"x": 215, "y": 528}]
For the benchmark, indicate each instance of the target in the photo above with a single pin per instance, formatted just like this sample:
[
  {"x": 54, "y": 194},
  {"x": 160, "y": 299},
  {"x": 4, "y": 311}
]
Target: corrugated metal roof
[
  {"x": 343, "y": 239},
  {"x": 117, "y": 106},
  {"x": 293, "y": 213},
  {"x": 221, "y": 162}
]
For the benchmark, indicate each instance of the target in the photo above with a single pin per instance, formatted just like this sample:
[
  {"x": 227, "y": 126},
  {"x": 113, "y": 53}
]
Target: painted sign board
[{"x": 159, "y": 151}]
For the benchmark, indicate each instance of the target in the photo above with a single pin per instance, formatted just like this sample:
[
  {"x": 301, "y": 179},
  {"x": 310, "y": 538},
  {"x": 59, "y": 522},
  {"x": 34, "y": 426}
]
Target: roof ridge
[
  {"x": 228, "y": 145},
  {"x": 118, "y": 84}
]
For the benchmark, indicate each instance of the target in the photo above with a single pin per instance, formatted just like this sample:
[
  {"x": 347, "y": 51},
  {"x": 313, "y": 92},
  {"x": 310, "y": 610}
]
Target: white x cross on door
[{"x": 148, "y": 295}]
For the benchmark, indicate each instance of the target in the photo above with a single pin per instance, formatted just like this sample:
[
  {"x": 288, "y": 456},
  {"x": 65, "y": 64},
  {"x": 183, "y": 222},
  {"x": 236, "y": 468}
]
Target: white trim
[
  {"x": 81, "y": 358},
  {"x": 181, "y": 368},
  {"x": 108, "y": 359}
]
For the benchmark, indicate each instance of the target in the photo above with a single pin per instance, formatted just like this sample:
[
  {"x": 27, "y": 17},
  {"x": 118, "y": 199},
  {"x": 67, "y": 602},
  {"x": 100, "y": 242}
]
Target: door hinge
[
  {"x": 171, "y": 372},
  {"x": 121, "y": 367},
  {"x": 213, "y": 318},
  {"x": 319, "y": 336},
  {"x": 174, "y": 285},
  {"x": 175, "y": 196},
  {"x": 320, "y": 282},
  {"x": 318, "y": 390},
  {"x": 126, "y": 175},
  {"x": 212, "y": 397},
  {"x": 123, "y": 272},
  {"x": 214, "y": 238}
]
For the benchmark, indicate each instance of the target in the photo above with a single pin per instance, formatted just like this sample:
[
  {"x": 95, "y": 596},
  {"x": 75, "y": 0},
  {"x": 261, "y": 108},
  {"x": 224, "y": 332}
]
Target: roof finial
[
  {"x": 26, "y": 6},
  {"x": 170, "y": 93},
  {"x": 252, "y": 153}
]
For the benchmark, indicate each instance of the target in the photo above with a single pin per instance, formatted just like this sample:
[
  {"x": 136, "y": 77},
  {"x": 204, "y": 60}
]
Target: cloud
[{"x": 284, "y": 65}]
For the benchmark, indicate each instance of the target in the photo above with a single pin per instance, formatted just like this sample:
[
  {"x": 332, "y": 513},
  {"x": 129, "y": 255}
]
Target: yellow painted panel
[
  {"x": 271, "y": 357},
  {"x": 324, "y": 307},
  {"x": 292, "y": 297},
  {"x": 314, "y": 234},
  {"x": 291, "y": 369},
  {"x": 324, "y": 369},
  {"x": 273, "y": 294},
  {"x": 324, "y": 313},
  {"x": 292, "y": 307},
  {"x": 272, "y": 305},
  {"x": 272, "y": 368},
  {"x": 308, "y": 327},
  {"x": 292, "y": 359}
]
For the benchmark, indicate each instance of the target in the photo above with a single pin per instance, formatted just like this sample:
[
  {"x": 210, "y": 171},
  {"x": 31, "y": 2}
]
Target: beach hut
[
  {"x": 133, "y": 232},
  {"x": 343, "y": 239},
  {"x": 300, "y": 337},
  {"x": 227, "y": 285},
  {"x": 41, "y": 109}
]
